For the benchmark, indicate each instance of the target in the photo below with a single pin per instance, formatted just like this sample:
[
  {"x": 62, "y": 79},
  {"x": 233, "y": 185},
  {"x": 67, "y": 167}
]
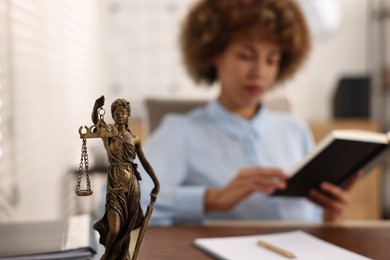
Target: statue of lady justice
[{"x": 123, "y": 211}]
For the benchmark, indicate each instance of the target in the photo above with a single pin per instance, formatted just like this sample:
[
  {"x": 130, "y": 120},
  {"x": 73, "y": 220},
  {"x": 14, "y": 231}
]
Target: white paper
[
  {"x": 78, "y": 233},
  {"x": 303, "y": 245}
]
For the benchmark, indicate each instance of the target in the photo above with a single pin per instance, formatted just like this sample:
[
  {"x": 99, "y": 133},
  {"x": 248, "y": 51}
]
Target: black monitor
[{"x": 352, "y": 98}]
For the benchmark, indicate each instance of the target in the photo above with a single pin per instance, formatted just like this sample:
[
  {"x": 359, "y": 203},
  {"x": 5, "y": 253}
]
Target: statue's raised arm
[
  {"x": 99, "y": 103},
  {"x": 100, "y": 129}
]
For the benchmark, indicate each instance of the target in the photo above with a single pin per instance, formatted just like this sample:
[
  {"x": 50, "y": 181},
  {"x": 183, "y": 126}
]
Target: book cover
[
  {"x": 71, "y": 238},
  {"x": 336, "y": 158}
]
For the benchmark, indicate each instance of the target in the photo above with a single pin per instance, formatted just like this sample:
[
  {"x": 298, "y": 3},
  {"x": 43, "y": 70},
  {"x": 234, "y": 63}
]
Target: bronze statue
[{"x": 123, "y": 211}]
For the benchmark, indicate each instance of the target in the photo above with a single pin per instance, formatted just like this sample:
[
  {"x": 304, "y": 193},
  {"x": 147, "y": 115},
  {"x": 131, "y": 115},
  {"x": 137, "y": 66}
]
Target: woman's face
[
  {"x": 121, "y": 115},
  {"x": 245, "y": 70}
]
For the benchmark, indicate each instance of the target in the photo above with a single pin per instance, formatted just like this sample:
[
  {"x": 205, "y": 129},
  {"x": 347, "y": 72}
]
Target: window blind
[{"x": 51, "y": 74}]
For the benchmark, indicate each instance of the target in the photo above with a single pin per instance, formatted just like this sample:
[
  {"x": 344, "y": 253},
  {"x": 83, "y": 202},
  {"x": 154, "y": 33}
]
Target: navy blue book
[{"x": 338, "y": 156}]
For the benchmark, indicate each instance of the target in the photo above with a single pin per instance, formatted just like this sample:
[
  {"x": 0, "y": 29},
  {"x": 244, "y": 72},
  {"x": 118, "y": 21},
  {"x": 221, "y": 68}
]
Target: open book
[
  {"x": 299, "y": 244},
  {"x": 339, "y": 156},
  {"x": 71, "y": 238}
]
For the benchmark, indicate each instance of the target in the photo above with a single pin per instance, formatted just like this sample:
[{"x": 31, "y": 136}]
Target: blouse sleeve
[
  {"x": 166, "y": 152},
  {"x": 308, "y": 139}
]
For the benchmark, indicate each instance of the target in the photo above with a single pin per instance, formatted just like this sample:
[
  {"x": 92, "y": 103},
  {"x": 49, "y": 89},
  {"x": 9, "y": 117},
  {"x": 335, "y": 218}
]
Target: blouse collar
[{"x": 235, "y": 125}]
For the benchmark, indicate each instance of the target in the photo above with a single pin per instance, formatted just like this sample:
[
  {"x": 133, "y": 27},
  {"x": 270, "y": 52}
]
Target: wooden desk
[{"x": 176, "y": 242}]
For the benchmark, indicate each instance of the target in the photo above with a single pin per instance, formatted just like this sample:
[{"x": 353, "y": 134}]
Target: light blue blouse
[{"x": 207, "y": 148}]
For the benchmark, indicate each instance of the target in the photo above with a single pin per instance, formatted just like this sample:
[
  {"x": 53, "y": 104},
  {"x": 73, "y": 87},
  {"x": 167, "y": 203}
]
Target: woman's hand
[
  {"x": 333, "y": 199},
  {"x": 247, "y": 181}
]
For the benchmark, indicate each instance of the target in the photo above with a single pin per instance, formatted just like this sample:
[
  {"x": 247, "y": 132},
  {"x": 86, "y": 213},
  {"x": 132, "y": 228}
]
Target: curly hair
[
  {"x": 211, "y": 25},
  {"x": 120, "y": 102}
]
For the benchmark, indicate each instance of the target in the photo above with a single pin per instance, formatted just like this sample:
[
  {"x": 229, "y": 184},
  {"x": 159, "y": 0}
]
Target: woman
[
  {"x": 123, "y": 212},
  {"x": 223, "y": 160}
]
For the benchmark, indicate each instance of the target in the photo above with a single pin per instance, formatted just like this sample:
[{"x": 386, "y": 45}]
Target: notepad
[{"x": 303, "y": 245}]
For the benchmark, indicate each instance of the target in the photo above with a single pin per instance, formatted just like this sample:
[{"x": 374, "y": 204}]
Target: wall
[
  {"x": 342, "y": 53},
  {"x": 146, "y": 62},
  {"x": 141, "y": 50}
]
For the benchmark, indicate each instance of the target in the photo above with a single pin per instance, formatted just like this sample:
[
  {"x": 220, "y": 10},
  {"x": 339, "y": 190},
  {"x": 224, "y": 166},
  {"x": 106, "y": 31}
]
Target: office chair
[{"x": 157, "y": 107}]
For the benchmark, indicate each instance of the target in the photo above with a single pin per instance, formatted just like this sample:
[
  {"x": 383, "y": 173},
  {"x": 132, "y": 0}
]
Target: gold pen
[{"x": 276, "y": 249}]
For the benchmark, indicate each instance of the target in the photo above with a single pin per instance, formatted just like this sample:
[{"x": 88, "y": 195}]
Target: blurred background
[{"x": 58, "y": 56}]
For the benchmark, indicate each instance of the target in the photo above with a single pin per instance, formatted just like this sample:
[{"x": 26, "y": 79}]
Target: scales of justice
[{"x": 123, "y": 212}]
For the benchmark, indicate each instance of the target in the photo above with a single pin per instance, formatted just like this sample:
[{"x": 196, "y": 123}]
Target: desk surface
[{"x": 176, "y": 242}]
